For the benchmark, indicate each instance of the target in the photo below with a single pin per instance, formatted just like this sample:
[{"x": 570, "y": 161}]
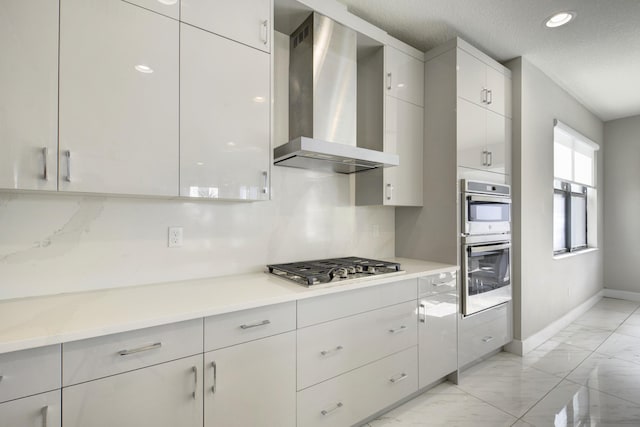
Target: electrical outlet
[{"x": 175, "y": 237}]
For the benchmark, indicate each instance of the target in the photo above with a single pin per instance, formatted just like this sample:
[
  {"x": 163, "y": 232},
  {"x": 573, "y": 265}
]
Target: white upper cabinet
[
  {"x": 118, "y": 99},
  {"x": 246, "y": 21},
  {"x": 29, "y": 94},
  {"x": 404, "y": 76},
  {"x": 224, "y": 118},
  {"x": 482, "y": 84}
]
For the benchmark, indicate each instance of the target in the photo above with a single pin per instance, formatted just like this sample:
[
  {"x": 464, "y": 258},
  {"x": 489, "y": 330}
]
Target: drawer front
[
  {"x": 27, "y": 372},
  {"x": 113, "y": 354},
  {"x": 354, "y": 396},
  {"x": 342, "y": 304},
  {"x": 34, "y": 411},
  {"x": 332, "y": 348},
  {"x": 483, "y": 333},
  {"x": 438, "y": 284},
  {"x": 248, "y": 325}
]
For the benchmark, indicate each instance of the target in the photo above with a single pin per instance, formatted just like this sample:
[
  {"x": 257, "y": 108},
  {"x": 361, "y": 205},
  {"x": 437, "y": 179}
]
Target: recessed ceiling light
[
  {"x": 559, "y": 19},
  {"x": 144, "y": 69}
]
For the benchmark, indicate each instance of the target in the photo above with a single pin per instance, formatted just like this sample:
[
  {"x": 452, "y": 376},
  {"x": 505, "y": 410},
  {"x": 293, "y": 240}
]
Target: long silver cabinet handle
[
  {"x": 328, "y": 411},
  {"x": 398, "y": 330},
  {"x": 389, "y": 190},
  {"x": 45, "y": 170},
  {"x": 485, "y": 161},
  {"x": 388, "y": 81},
  {"x": 334, "y": 350},
  {"x": 423, "y": 313},
  {"x": 489, "y": 97},
  {"x": 265, "y": 176},
  {"x": 264, "y": 30},
  {"x": 67, "y": 154},
  {"x": 483, "y": 95},
  {"x": 489, "y": 158},
  {"x": 255, "y": 325},
  {"x": 194, "y": 369},
  {"x": 402, "y": 377},
  {"x": 45, "y": 415},
  {"x": 215, "y": 376},
  {"x": 140, "y": 349}
]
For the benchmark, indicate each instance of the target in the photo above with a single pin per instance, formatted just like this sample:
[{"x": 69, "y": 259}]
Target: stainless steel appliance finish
[
  {"x": 486, "y": 208},
  {"x": 333, "y": 270},
  {"x": 323, "y": 101},
  {"x": 486, "y": 271}
]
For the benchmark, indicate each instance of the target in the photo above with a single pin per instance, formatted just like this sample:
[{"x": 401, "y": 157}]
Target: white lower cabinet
[
  {"x": 358, "y": 394},
  {"x": 164, "y": 395},
  {"x": 484, "y": 332},
  {"x": 252, "y": 384},
  {"x": 41, "y": 410}
]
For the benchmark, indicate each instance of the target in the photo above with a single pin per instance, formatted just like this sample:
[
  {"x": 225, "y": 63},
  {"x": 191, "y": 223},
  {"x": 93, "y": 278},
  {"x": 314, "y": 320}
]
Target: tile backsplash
[{"x": 55, "y": 243}]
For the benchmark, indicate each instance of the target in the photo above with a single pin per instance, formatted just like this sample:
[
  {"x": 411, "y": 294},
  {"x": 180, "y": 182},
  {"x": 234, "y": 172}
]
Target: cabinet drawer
[
  {"x": 352, "y": 397},
  {"x": 27, "y": 372},
  {"x": 342, "y": 304},
  {"x": 112, "y": 354},
  {"x": 247, "y": 325},
  {"x": 34, "y": 411},
  {"x": 332, "y": 348},
  {"x": 483, "y": 333},
  {"x": 437, "y": 284}
]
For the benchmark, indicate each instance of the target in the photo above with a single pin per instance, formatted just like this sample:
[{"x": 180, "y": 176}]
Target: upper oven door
[
  {"x": 486, "y": 214},
  {"x": 487, "y": 273}
]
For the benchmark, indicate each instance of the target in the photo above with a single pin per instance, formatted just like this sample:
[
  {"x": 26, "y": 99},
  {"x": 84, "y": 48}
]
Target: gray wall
[
  {"x": 622, "y": 201},
  {"x": 546, "y": 288}
]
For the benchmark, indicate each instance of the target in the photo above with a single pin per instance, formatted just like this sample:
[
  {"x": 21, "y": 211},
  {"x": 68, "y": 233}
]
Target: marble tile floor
[{"x": 588, "y": 374}]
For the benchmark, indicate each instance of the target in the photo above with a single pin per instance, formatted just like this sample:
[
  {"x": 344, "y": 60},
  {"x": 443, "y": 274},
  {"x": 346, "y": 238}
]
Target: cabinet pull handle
[
  {"x": 255, "y": 325},
  {"x": 194, "y": 369},
  {"x": 45, "y": 415},
  {"x": 333, "y": 350},
  {"x": 67, "y": 154},
  {"x": 388, "y": 81},
  {"x": 483, "y": 95},
  {"x": 140, "y": 349},
  {"x": 489, "y": 158},
  {"x": 398, "y": 330},
  {"x": 45, "y": 171},
  {"x": 215, "y": 376},
  {"x": 484, "y": 158},
  {"x": 489, "y": 97},
  {"x": 328, "y": 411},
  {"x": 265, "y": 176},
  {"x": 264, "y": 31},
  {"x": 402, "y": 377},
  {"x": 389, "y": 191},
  {"x": 488, "y": 338},
  {"x": 423, "y": 313}
]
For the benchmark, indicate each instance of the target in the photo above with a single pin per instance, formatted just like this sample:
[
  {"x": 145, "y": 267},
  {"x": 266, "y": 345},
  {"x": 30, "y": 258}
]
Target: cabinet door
[
  {"x": 118, "y": 99},
  {"x": 438, "y": 337},
  {"x": 29, "y": 100},
  {"x": 472, "y": 76},
  {"x": 404, "y": 76},
  {"x": 252, "y": 384},
  {"x": 41, "y": 410},
  {"x": 224, "y": 118},
  {"x": 471, "y": 130},
  {"x": 497, "y": 84},
  {"x": 246, "y": 21},
  {"x": 165, "y": 395},
  {"x": 404, "y": 136},
  {"x": 496, "y": 142}
]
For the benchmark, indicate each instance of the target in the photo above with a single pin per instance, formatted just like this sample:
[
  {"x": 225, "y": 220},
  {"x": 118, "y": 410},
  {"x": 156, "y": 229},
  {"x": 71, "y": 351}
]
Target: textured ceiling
[{"x": 596, "y": 57}]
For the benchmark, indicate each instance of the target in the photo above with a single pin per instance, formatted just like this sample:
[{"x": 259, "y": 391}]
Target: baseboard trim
[
  {"x": 626, "y": 295},
  {"x": 522, "y": 347}
]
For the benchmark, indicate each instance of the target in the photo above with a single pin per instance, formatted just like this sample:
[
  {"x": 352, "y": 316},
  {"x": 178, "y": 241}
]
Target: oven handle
[
  {"x": 485, "y": 248},
  {"x": 490, "y": 199}
]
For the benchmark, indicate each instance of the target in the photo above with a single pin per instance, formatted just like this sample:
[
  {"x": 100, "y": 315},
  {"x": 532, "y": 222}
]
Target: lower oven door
[{"x": 487, "y": 273}]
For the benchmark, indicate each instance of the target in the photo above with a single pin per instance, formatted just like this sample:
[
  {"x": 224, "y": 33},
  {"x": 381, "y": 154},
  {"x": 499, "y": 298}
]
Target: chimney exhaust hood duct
[{"x": 322, "y": 102}]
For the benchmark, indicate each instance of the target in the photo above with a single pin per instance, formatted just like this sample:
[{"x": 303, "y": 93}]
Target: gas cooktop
[{"x": 311, "y": 273}]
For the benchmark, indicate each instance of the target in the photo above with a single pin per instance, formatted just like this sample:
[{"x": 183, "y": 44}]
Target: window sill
[{"x": 572, "y": 254}]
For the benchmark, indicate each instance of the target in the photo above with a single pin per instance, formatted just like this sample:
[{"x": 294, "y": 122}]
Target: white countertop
[{"x": 34, "y": 322}]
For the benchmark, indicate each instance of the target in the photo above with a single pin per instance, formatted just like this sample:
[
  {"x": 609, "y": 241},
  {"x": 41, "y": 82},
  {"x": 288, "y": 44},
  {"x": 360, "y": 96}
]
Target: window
[{"x": 574, "y": 190}]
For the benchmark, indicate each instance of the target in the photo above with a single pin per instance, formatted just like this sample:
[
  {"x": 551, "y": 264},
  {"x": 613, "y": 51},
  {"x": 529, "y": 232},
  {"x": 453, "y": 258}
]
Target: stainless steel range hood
[{"x": 322, "y": 102}]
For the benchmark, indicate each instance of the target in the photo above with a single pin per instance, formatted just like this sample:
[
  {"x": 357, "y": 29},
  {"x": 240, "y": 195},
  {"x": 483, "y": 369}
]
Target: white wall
[
  {"x": 546, "y": 288},
  {"x": 58, "y": 243},
  {"x": 622, "y": 204}
]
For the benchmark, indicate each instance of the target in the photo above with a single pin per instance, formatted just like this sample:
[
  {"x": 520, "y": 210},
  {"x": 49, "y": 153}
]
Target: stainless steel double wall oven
[{"x": 486, "y": 245}]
